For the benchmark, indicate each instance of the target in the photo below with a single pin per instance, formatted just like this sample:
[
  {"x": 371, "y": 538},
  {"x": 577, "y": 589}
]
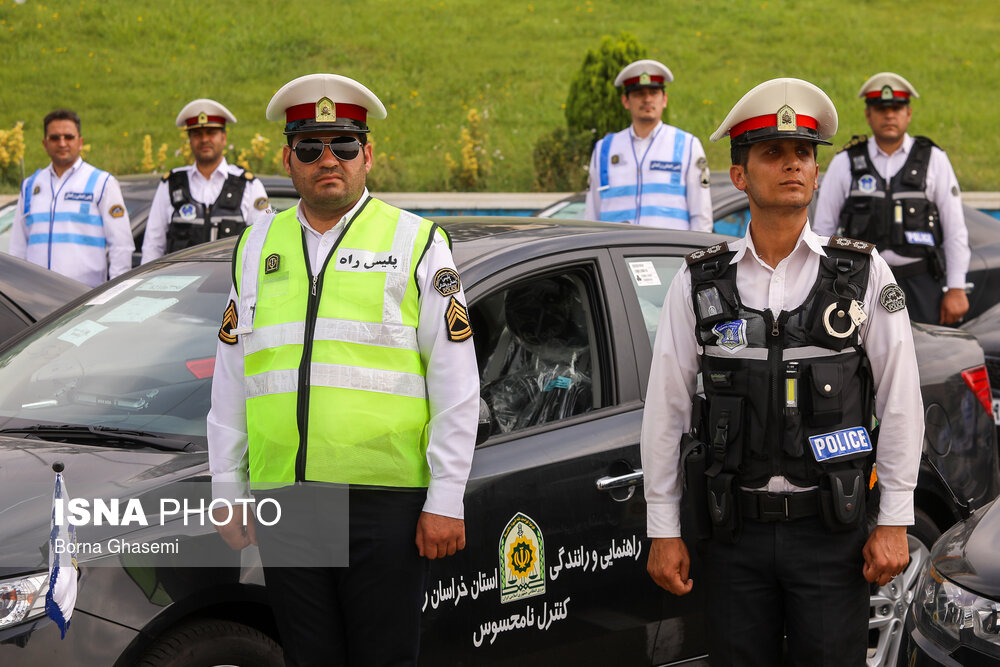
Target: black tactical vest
[
  {"x": 896, "y": 216},
  {"x": 783, "y": 394},
  {"x": 192, "y": 222}
]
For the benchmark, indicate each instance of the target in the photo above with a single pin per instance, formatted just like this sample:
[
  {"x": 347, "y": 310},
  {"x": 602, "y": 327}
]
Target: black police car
[
  {"x": 954, "y": 619},
  {"x": 554, "y": 571}
]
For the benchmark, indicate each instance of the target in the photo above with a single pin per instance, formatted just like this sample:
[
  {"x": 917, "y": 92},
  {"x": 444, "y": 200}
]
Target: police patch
[
  {"x": 446, "y": 282},
  {"x": 866, "y": 184},
  {"x": 37, "y": 189},
  {"x": 840, "y": 443},
  {"x": 522, "y": 559},
  {"x": 117, "y": 211},
  {"x": 919, "y": 238},
  {"x": 456, "y": 317},
  {"x": 272, "y": 263},
  {"x": 615, "y": 159},
  {"x": 663, "y": 165},
  {"x": 188, "y": 212},
  {"x": 892, "y": 298},
  {"x": 732, "y": 335},
  {"x": 230, "y": 320},
  {"x": 261, "y": 203}
]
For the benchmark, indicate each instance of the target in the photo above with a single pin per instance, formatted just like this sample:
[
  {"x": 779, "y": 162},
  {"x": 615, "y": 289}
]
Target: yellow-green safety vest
[{"x": 335, "y": 386}]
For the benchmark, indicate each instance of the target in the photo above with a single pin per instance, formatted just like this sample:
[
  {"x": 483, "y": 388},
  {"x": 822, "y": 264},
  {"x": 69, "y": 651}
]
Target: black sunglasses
[
  {"x": 344, "y": 149},
  {"x": 65, "y": 137}
]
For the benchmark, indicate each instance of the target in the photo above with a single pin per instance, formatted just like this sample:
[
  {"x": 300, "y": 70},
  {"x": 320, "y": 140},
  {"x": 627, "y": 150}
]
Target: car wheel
[
  {"x": 210, "y": 642},
  {"x": 888, "y": 607}
]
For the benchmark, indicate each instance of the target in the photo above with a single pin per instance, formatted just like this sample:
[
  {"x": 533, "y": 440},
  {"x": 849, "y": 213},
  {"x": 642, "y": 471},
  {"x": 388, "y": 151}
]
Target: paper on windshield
[
  {"x": 81, "y": 332},
  {"x": 137, "y": 309}
]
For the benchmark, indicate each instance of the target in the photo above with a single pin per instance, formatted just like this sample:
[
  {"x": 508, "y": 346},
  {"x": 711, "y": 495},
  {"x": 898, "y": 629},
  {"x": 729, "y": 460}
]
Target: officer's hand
[
  {"x": 954, "y": 305},
  {"x": 234, "y": 533},
  {"x": 668, "y": 565},
  {"x": 886, "y": 554},
  {"x": 439, "y": 536}
]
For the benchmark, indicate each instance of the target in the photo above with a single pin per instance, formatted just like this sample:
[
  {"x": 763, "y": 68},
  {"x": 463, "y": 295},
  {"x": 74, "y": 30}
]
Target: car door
[
  {"x": 554, "y": 571},
  {"x": 644, "y": 274}
]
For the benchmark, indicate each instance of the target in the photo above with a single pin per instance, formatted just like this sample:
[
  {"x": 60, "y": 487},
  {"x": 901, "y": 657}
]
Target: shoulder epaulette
[
  {"x": 247, "y": 175},
  {"x": 854, "y": 245},
  {"x": 926, "y": 140},
  {"x": 855, "y": 140},
  {"x": 706, "y": 253},
  {"x": 166, "y": 176}
]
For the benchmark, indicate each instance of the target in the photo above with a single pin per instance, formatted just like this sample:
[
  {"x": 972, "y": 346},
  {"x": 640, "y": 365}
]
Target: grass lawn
[{"x": 129, "y": 66}]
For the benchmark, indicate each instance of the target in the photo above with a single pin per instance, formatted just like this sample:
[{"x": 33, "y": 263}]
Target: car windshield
[{"x": 139, "y": 355}]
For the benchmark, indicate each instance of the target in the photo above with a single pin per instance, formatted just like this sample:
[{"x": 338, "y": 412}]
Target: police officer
[
  {"x": 346, "y": 356},
  {"x": 205, "y": 201},
  {"x": 650, "y": 173},
  {"x": 70, "y": 216},
  {"x": 799, "y": 339},
  {"x": 900, "y": 193}
]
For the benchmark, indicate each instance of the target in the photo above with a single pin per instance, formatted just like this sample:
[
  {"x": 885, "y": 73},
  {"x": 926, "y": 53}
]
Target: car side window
[
  {"x": 651, "y": 277},
  {"x": 537, "y": 349}
]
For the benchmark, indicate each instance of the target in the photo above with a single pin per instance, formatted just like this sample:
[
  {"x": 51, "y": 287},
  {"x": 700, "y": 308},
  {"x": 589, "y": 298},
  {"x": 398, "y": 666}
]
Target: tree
[{"x": 594, "y": 104}]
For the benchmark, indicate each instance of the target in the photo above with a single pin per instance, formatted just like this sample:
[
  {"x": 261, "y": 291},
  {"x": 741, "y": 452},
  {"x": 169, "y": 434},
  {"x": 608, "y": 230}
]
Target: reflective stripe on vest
[
  {"x": 365, "y": 405},
  {"x": 645, "y": 189}
]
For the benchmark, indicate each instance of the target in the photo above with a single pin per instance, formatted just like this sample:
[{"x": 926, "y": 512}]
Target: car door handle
[{"x": 633, "y": 478}]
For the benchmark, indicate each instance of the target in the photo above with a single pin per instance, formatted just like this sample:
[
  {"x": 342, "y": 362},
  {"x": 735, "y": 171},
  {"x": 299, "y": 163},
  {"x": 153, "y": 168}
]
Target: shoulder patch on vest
[
  {"x": 456, "y": 317},
  {"x": 230, "y": 320},
  {"x": 855, "y": 140},
  {"x": 261, "y": 203},
  {"x": 447, "y": 282},
  {"x": 844, "y": 243},
  {"x": 892, "y": 298},
  {"x": 117, "y": 211},
  {"x": 705, "y": 253}
]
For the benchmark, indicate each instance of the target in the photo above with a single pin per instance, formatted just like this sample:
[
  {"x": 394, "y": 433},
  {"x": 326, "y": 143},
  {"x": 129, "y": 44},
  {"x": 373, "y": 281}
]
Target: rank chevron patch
[
  {"x": 229, "y": 322},
  {"x": 457, "y": 319}
]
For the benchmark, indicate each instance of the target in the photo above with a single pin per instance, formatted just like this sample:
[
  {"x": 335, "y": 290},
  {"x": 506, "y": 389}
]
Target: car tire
[
  {"x": 212, "y": 642},
  {"x": 924, "y": 528}
]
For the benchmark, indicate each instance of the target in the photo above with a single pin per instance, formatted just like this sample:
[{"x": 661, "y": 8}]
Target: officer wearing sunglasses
[
  {"x": 208, "y": 200},
  {"x": 70, "y": 216},
  {"x": 345, "y": 357}
]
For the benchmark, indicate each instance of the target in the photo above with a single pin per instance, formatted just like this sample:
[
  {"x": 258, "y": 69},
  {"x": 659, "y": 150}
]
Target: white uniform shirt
[
  {"x": 88, "y": 263},
  {"x": 942, "y": 189},
  {"x": 699, "y": 199},
  {"x": 452, "y": 387},
  {"x": 886, "y": 337},
  {"x": 205, "y": 191}
]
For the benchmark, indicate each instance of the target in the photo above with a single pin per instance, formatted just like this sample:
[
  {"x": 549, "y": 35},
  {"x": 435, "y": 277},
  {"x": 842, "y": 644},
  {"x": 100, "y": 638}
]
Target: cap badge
[
  {"x": 326, "y": 111},
  {"x": 202, "y": 118},
  {"x": 886, "y": 92},
  {"x": 644, "y": 79},
  {"x": 786, "y": 119}
]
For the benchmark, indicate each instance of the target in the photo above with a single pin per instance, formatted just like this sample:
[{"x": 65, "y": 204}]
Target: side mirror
[{"x": 485, "y": 422}]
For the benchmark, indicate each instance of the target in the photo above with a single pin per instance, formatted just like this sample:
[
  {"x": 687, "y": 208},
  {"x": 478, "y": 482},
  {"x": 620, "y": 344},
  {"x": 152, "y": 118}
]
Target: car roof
[
  {"x": 480, "y": 240},
  {"x": 34, "y": 289}
]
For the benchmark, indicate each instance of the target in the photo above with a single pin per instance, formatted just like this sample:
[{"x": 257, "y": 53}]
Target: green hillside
[{"x": 128, "y": 66}]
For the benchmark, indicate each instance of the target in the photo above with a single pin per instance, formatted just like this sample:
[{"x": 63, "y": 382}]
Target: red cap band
[
  {"x": 895, "y": 93},
  {"x": 304, "y": 111},
  {"x": 193, "y": 120},
  {"x": 769, "y": 120},
  {"x": 635, "y": 79}
]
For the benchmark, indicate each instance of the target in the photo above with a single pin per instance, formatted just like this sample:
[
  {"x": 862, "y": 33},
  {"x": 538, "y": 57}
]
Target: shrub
[
  {"x": 560, "y": 160},
  {"x": 469, "y": 173}
]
